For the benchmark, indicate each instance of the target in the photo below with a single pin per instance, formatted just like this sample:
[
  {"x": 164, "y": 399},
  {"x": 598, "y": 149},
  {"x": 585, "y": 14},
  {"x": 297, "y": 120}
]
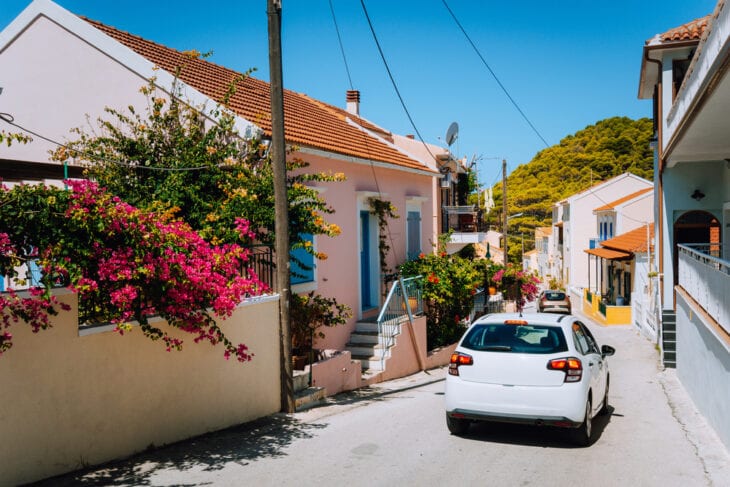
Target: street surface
[{"x": 395, "y": 434}]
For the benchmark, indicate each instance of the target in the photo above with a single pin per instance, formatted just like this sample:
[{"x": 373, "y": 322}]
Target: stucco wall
[
  {"x": 581, "y": 226},
  {"x": 703, "y": 366},
  {"x": 339, "y": 275},
  {"x": 679, "y": 183},
  {"x": 73, "y": 400}
]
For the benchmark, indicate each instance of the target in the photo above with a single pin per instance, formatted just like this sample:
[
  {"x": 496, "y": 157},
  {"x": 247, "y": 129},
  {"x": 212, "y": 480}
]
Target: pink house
[{"x": 58, "y": 67}]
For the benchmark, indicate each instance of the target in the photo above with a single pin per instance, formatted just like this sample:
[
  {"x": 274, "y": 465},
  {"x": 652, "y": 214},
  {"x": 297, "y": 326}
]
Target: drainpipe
[{"x": 659, "y": 223}]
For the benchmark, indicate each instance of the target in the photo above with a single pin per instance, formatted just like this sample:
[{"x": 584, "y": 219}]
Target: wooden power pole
[
  {"x": 281, "y": 203},
  {"x": 504, "y": 210}
]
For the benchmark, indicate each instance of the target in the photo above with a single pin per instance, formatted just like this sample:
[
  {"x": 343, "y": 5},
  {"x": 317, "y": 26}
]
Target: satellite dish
[{"x": 452, "y": 133}]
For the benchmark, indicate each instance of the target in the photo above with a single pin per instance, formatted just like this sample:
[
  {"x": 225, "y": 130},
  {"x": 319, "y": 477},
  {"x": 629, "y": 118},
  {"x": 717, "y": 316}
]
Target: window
[
  {"x": 302, "y": 263},
  {"x": 584, "y": 341},
  {"x": 414, "y": 234},
  {"x": 498, "y": 337}
]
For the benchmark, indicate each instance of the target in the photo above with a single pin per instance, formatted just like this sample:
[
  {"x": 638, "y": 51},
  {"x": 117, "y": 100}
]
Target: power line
[
  {"x": 494, "y": 75},
  {"x": 342, "y": 48},
  {"x": 392, "y": 79},
  {"x": 10, "y": 120}
]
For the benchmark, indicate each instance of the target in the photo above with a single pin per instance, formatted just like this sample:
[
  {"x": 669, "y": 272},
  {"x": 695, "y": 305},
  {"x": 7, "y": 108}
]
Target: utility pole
[
  {"x": 504, "y": 209},
  {"x": 281, "y": 203}
]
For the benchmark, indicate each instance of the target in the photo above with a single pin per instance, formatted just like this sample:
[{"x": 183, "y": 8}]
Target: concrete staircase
[
  {"x": 367, "y": 346},
  {"x": 669, "y": 338}
]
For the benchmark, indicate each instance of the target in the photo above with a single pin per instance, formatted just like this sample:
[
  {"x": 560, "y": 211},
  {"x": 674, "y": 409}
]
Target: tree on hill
[{"x": 598, "y": 152}]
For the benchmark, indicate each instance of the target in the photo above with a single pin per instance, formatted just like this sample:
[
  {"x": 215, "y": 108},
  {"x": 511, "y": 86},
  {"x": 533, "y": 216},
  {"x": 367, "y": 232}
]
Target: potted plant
[{"x": 309, "y": 313}]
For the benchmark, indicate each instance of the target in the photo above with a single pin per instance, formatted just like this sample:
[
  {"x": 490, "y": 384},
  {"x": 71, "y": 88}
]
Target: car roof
[{"x": 532, "y": 318}]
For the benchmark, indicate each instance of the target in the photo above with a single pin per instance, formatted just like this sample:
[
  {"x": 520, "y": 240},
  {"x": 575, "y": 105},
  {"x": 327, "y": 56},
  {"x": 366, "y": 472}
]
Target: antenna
[{"x": 452, "y": 133}]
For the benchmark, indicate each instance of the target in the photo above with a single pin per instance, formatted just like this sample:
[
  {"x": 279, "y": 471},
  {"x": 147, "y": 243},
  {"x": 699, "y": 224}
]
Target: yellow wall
[{"x": 71, "y": 401}]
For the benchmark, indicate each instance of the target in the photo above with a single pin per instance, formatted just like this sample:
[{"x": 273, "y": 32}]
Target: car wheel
[
  {"x": 457, "y": 426},
  {"x": 583, "y": 435},
  {"x": 604, "y": 409}
]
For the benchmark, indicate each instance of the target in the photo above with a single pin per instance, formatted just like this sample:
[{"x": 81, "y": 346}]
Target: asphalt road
[{"x": 395, "y": 434}]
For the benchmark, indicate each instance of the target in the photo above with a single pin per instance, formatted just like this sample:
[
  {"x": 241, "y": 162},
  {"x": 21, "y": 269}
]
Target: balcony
[
  {"x": 460, "y": 218},
  {"x": 706, "y": 278}
]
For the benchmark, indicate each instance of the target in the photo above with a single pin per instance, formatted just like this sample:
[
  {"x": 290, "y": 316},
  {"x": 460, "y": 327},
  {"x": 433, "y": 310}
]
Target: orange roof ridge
[
  {"x": 690, "y": 31},
  {"x": 307, "y": 122},
  {"x": 629, "y": 197}
]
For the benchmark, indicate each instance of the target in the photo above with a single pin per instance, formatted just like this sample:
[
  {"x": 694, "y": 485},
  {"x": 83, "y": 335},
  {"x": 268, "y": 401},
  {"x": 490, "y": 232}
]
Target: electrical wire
[
  {"x": 342, "y": 47},
  {"x": 9, "y": 119},
  {"x": 392, "y": 79},
  {"x": 494, "y": 75}
]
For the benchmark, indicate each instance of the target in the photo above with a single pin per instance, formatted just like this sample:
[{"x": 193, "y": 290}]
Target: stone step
[
  {"x": 364, "y": 349},
  {"x": 364, "y": 337},
  {"x": 301, "y": 380},
  {"x": 366, "y": 327},
  {"x": 309, "y": 398},
  {"x": 370, "y": 362}
]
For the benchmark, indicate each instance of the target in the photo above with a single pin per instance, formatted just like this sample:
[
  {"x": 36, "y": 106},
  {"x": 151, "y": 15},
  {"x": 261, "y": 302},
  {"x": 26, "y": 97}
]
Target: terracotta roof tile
[
  {"x": 633, "y": 241},
  {"x": 307, "y": 122},
  {"x": 691, "y": 31},
  {"x": 614, "y": 204},
  {"x": 543, "y": 231}
]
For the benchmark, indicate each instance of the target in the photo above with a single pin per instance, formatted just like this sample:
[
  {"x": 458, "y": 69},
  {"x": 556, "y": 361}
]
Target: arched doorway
[{"x": 696, "y": 227}]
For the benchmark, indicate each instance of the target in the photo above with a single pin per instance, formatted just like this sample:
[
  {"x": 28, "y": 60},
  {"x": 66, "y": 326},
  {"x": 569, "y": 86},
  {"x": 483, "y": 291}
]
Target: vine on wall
[{"x": 383, "y": 209}]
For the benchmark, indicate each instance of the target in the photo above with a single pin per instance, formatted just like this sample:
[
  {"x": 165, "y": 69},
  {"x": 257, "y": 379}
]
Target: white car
[{"x": 541, "y": 369}]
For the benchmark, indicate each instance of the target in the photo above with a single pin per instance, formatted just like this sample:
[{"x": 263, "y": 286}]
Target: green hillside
[{"x": 596, "y": 153}]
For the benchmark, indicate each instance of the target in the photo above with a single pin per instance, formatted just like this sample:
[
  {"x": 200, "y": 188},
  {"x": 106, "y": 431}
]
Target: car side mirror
[{"x": 607, "y": 350}]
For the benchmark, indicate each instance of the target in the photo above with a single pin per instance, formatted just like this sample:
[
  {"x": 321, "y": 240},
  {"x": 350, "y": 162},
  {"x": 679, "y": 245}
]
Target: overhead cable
[{"x": 494, "y": 75}]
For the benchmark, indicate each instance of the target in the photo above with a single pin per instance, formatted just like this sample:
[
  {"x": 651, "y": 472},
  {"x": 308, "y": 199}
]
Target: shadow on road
[
  {"x": 266, "y": 437},
  {"x": 528, "y": 435}
]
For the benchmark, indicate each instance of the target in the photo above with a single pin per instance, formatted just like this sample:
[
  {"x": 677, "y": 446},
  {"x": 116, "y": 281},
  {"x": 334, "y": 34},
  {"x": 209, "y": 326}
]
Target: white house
[
  {"x": 575, "y": 225},
  {"x": 685, "y": 72}
]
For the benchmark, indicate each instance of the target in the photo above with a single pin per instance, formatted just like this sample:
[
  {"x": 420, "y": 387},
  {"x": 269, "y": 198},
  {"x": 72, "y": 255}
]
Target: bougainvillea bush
[
  {"x": 126, "y": 265},
  {"x": 450, "y": 283}
]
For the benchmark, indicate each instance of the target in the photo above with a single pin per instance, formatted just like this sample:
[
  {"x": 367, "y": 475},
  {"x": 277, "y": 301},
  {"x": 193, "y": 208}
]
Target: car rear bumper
[
  {"x": 525, "y": 404},
  {"x": 542, "y": 420},
  {"x": 554, "y": 309}
]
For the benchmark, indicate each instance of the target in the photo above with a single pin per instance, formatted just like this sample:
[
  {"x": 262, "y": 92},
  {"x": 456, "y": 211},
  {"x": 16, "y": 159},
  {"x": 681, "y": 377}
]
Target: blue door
[{"x": 365, "y": 294}]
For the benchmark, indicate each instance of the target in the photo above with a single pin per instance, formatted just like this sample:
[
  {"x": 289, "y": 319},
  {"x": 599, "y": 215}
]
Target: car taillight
[
  {"x": 458, "y": 359},
  {"x": 572, "y": 367}
]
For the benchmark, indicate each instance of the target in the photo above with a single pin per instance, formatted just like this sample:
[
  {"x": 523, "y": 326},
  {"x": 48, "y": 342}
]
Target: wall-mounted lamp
[{"x": 698, "y": 195}]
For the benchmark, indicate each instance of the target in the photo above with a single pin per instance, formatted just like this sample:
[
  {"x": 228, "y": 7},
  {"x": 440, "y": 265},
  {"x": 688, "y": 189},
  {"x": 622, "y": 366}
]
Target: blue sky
[{"x": 567, "y": 63}]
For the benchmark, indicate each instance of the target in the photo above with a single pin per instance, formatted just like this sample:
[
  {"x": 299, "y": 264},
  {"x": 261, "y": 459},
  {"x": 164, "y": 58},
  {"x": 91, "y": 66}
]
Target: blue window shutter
[
  {"x": 35, "y": 273},
  {"x": 302, "y": 263}
]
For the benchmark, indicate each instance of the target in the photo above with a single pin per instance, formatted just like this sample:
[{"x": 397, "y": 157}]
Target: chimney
[{"x": 353, "y": 102}]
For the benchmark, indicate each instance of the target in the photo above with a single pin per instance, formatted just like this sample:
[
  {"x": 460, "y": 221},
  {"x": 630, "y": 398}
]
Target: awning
[{"x": 608, "y": 253}]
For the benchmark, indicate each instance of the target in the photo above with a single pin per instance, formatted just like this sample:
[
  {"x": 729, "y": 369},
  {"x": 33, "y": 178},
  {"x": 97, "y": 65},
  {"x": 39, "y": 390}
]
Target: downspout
[{"x": 659, "y": 223}]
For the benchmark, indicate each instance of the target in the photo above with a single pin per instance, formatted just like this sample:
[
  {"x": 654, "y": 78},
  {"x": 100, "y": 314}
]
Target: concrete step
[
  {"x": 370, "y": 363},
  {"x": 366, "y": 327},
  {"x": 364, "y": 349},
  {"x": 301, "y": 380},
  {"x": 309, "y": 398},
  {"x": 364, "y": 337}
]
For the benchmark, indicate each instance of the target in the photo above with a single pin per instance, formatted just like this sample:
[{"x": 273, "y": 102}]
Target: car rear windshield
[
  {"x": 498, "y": 337},
  {"x": 555, "y": 296}
]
